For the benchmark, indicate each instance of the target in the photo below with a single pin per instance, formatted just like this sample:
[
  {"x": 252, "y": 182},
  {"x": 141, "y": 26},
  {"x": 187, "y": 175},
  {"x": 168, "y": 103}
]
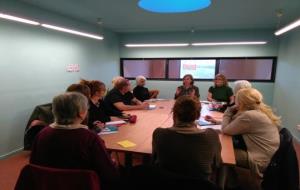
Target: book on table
[
  {"x": 109, "y": 129},
  {"x": 203, "y": 122}
]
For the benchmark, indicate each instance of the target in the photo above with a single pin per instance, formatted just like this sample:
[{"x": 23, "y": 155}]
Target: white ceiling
[{"x": 126, "y": 16}]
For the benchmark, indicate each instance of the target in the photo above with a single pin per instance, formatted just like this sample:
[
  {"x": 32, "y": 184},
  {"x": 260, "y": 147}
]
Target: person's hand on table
[
  {"x": 210, "y": 119},
  {"x": 99, "y": 124},
  {"x": 145, "y": 105}
]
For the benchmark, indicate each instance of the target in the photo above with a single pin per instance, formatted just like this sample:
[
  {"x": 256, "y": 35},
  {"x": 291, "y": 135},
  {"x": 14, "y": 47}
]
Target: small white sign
[{"x": 73, "y": 68}]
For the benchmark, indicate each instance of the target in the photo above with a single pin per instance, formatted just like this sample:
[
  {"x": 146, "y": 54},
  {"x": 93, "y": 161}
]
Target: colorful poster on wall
[{"x": 204, "y": 69}]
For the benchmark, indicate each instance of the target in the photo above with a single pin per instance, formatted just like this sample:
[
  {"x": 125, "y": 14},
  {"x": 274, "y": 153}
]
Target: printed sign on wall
[{"x": 73, "y": 68}]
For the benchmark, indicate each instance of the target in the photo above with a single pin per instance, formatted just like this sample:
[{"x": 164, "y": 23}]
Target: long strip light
[
  {"x": 288, "y": 27},
  {"x": 18, "y": 19},
  {"x": 157, "y": 45},
  {"x": 229, "y": 43},
  {"x": 72, "y": 31}
]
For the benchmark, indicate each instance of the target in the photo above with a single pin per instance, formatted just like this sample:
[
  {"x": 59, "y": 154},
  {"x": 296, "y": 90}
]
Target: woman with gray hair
[
  {"x": 68, "y": 144},
  {"x": 240, "y": 84},
  {"x": 141, "y": 92}
]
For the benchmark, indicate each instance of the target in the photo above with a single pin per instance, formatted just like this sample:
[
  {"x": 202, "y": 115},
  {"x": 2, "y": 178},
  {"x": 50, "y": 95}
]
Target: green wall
[
  {"x": 33, "y": 64},
  {"x": 167, "y": 88},
  {"x": 287, "y": 86}
]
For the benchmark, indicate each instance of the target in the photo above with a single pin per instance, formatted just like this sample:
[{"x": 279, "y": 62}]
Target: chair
[
  {"x": 42, "y": 113},
  {"x": 282, "y": 172},
  {"x": 153, "y": 177},
  {"x": 33, "y": 177}
]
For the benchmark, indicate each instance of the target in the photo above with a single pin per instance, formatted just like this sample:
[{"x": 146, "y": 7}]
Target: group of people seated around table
[{"x": 182, "y": 149}]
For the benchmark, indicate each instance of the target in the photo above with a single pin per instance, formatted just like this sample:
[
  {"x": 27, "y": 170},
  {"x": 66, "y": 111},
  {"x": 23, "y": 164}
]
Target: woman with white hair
[
  {"x": 141, "y": 92},
  {"x": 259, "y": 127},
  {"x": 240, "y": 84},
  {"x": 68, "y": 144}
]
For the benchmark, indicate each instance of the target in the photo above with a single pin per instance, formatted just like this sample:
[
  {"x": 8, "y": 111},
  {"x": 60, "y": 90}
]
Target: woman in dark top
[
  {"x": 97, "y": 115},
  {"x": 220, "y": 92},
  {"x": 183, "y": 148},
  {"x": 120, "y": 99},
  {"x": 68, "y": 144},
  {"x": 187, "y": 88},
  {"x": 141, "y": 92}
]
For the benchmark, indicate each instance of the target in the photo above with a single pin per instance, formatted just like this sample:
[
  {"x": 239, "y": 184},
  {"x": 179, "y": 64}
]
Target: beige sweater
[{"x": 261, "y": 136}]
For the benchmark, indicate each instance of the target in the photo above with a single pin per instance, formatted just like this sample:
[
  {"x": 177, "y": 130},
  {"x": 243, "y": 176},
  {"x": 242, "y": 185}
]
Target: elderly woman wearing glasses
[{"x": 68, "y": 144}]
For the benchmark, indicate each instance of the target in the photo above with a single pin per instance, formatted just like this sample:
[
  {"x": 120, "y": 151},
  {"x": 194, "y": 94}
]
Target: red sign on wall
[
  {"x": 73, "y": 68},
  {"x": 189, "y": 66}
]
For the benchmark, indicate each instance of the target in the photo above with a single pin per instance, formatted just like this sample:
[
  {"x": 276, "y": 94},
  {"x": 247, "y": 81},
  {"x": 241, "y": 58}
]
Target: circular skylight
[{"x": 173, "y": 6}]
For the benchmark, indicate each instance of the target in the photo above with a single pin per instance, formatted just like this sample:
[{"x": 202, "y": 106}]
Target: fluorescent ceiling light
[
  {"x": 157, "y": 45},
  {"x": 72, "y": 31},
  {"x": 228, "y": 43},
  {"x": 18, "y": 19},
  {"x": 173, "y": 6},
  {"x": 288, "y": 27}
]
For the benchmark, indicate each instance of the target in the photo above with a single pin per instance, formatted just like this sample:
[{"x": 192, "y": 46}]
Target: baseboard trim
[{"x": 11, "y": 153}]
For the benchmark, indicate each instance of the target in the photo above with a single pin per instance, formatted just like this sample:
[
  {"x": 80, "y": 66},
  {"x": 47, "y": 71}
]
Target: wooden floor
[{"x": 10, "y": 169}]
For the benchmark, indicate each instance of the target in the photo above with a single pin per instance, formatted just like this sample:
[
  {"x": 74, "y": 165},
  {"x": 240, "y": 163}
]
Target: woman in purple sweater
[{"x": 68, "y": 144}]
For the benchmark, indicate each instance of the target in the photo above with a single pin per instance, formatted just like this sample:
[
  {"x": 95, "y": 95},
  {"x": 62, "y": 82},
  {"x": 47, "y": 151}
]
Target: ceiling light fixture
[
  {"x": 18, "y": 19},
  {"x": 73, "y": 31},
  {"x": 229, "y": 43},
  {"x": 157, "y": 45},
  {"x": 288, "y": 27},
  {"x": 173, "y": 6}
]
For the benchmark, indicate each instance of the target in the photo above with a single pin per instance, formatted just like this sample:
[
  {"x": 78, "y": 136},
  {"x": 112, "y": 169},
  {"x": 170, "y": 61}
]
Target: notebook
[
  {"x": 203, "y": 122},
  {"x": 126, "y": 144},
  {"x": 109, "y": 129}
]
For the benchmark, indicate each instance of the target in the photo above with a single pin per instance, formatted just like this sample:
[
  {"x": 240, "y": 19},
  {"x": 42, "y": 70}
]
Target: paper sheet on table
[
  {"x": 126, "y": 144},
  {"x": 155, "y": 99},
  {"x": 115, "y": 122},
  {"x": 214, "y": 127},
  {"x": 205, "y": 101},
  {"x": 152, "y": 106}
]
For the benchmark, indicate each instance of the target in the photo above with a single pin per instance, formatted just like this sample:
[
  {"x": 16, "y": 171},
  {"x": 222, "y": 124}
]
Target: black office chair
[
  {"x": 41, "y": 113},
  {"x": 282, "y": 172},
  {"x": 152, "y": 177}
]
